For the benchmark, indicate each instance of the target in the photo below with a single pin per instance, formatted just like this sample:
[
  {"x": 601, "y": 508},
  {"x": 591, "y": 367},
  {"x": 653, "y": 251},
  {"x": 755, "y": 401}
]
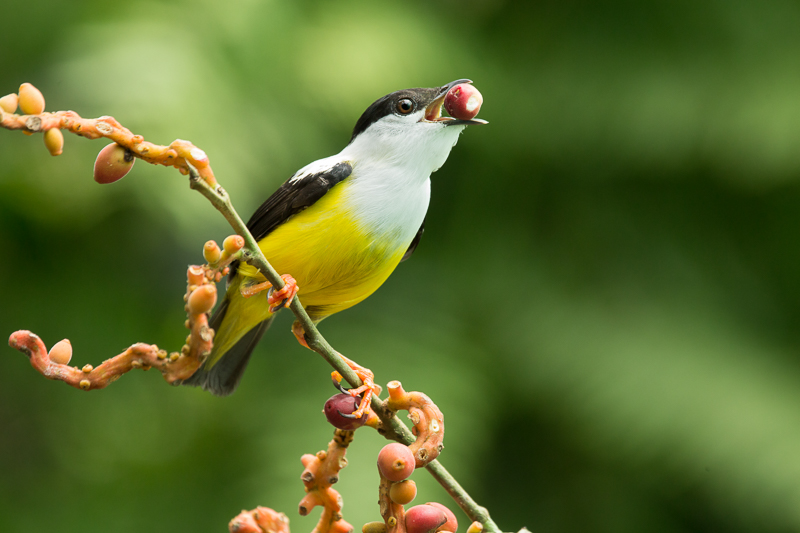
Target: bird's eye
[{"x": 405, "y": 106}]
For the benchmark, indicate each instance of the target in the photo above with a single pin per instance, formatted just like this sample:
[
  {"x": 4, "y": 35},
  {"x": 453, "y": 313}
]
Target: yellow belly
[{"x": 336, "y": 262}]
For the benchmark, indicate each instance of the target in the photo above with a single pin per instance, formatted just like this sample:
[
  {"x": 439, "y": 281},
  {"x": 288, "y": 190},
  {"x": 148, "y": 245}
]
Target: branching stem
[
  {"x": 394, "y": 428},
  {"x": 187, "y": 158}
]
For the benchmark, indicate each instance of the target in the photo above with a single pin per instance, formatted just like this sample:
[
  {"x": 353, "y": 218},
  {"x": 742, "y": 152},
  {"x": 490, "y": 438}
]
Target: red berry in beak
[{"x": 463, "y": 101}]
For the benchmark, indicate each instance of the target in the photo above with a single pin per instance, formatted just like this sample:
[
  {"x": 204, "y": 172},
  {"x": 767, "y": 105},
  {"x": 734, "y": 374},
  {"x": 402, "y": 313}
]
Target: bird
[{"x": 337, "y": 228}]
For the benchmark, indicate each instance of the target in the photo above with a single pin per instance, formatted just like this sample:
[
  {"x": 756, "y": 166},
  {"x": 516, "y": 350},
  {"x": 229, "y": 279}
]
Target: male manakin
[{"x": 339, "y": 226}]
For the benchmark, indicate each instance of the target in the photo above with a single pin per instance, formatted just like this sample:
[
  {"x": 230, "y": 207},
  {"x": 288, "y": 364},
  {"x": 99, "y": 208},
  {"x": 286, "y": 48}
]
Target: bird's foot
[
  {"x": 367, "y": 377},
  {"x": 368, "y": 387},
  {"x": 276, "y": 299},
  {"x": 284, "y": 296}
]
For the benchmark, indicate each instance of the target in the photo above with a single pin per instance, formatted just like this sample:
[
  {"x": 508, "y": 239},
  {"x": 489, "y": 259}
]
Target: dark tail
[{"x": 222, "y": 378}]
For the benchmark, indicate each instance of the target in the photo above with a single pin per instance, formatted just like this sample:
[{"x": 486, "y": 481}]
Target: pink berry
[
  {"x": 451, "y": 524},
  {"x": 112, "y": 163},
  {"x": 396, "y": 462},
  {"x": 463, "y": 101},
  {"x": 424, "y": 519},
  {"x": 340, "y": 405}
]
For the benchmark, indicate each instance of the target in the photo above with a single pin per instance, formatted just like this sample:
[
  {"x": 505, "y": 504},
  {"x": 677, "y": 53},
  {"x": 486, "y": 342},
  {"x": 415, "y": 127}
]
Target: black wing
[
  {"x": 414, "y": 243},
  {"x": 294, "y": 196}
]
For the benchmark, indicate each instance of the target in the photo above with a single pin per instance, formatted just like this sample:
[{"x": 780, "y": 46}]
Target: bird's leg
[
  {"x": 299, "y": 333},
  {"x": 367, "y": 377},
  {"x": 276, "y": 298},
  {"x": 248, "y": 290}
]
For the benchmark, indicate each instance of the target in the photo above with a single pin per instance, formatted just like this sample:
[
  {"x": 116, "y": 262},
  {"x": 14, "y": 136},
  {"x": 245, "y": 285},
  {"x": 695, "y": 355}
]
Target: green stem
[{"x": 394, "y": 428}]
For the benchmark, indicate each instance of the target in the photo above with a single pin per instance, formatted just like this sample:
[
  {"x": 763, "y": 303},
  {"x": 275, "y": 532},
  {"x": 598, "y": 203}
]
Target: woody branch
[{"x": 191, "y": 160}]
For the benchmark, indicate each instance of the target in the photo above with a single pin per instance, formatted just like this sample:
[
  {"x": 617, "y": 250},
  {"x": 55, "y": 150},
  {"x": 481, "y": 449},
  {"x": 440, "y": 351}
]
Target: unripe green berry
[{"x": 374, "y": 527}]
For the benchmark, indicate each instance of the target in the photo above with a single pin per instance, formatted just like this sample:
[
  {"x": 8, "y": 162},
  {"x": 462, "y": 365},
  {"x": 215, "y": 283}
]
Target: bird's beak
[{"x": 433, "y": 113}]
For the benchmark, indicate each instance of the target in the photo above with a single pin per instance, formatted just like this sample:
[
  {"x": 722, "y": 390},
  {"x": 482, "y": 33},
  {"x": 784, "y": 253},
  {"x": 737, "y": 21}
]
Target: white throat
[{"x": 389, "y": 188}]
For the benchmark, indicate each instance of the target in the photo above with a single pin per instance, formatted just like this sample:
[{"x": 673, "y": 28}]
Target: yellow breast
[{"x": 336, "y": 262}]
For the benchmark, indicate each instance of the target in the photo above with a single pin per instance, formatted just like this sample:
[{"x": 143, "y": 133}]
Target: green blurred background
[{"x": 605, "y": 304}]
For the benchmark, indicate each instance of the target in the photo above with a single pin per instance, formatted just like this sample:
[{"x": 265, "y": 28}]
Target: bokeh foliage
[{"x": 605, "y": 302}]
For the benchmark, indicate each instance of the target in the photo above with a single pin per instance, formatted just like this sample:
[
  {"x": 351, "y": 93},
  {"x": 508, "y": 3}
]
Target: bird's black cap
[{"x": 386, "y": 105}]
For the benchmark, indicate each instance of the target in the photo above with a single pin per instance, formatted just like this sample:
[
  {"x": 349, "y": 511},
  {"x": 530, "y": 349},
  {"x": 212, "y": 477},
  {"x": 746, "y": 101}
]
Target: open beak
[{"x": 433, "y": 113}]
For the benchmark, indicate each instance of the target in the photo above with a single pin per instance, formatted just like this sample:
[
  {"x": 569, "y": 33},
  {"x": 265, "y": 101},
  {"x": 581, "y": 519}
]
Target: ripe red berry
[
  {"x": 396, "y": 462},
  {"x": 463, "y": 101},
  {"x": 112, "y": 163},
  {"x": 424, "y": 519},
  {"x": 342, "y": 404},
  {"x": 451, "y": 524}
]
